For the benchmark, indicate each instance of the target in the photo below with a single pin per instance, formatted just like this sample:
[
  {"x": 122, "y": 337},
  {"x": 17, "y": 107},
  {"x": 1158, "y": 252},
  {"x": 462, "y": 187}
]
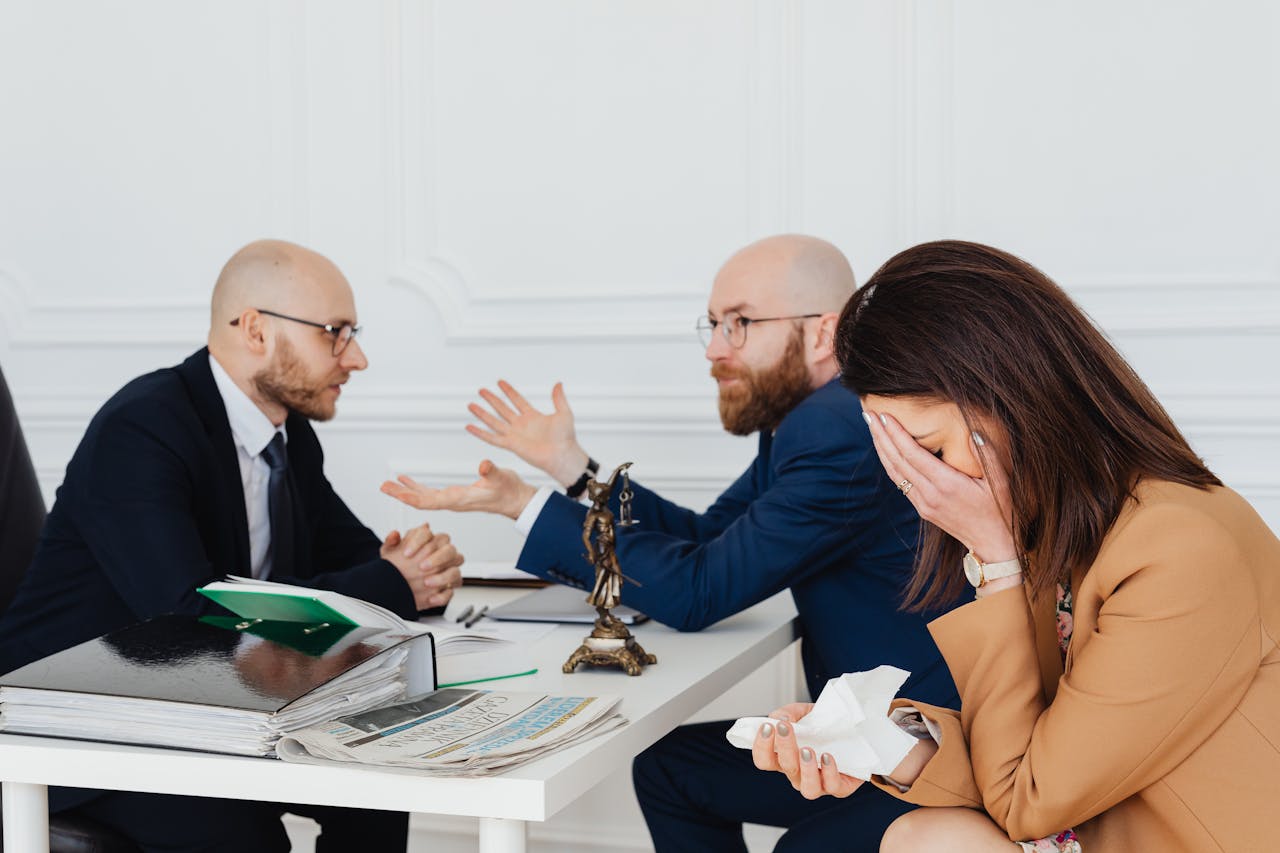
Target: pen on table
[
  {"x": 474, "y": 619},
  {"x": 464, "y": 614}
]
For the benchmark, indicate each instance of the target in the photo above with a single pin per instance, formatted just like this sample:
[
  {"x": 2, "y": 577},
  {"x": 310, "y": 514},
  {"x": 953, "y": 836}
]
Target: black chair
[{"x": 21, "y": 517}]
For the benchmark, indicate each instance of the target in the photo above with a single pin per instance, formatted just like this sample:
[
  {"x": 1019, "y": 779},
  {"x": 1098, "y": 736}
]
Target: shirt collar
[{"x": 250, "y": 428}]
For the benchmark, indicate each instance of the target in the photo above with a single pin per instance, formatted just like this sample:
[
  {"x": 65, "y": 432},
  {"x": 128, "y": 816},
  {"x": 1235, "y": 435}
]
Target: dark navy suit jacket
[
  {"x": 814, "y": 513},
  {"x": 152, "y": 507}
]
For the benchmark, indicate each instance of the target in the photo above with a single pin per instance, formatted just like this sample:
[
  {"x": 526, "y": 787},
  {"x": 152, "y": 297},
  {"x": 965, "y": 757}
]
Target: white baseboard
[{"x": 439, "y": 834}]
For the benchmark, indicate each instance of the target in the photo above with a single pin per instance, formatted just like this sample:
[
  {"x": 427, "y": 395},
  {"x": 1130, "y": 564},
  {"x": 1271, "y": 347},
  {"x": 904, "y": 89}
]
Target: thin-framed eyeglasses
[
  {"x": 342, "y": 335},
  {"x": 733, "y": 328}
]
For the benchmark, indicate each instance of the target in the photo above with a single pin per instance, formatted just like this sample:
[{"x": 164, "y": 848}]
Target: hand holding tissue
[{"x": 850, "y": 721}]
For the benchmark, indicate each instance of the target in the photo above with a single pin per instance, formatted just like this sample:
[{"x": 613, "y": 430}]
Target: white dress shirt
[
  {"x": 529, "y": 515},
  {"x": 252, "y": 431},
  {"x": 533, "y": 509}
]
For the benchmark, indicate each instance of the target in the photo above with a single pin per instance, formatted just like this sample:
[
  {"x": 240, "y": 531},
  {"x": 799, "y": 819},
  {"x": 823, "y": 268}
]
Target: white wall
[{"x": 542, "y": 190}]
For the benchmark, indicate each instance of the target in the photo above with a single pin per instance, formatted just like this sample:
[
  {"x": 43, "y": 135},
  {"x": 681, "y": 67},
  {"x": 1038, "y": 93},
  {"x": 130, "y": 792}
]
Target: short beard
[
  {"x": 287, "y": 383},
  {"x": 765, "y": 396}
]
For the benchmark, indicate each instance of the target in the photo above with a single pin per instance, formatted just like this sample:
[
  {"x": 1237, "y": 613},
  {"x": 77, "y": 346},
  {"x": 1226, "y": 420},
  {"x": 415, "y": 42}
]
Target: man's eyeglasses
[
  {"x": 342, "y": 335},
  {"x": 733, "y": 328}
]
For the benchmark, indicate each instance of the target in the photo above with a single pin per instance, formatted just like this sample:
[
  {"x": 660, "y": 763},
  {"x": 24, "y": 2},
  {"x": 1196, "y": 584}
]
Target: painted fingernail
[
  {"x": 766, "y": 730},
  {"x": 977, "y": 439},
  {"x": 884, "y": 420},
  {"x": 806, "y": 755},
  {"x": 784, "y": 730},
  {"x": 866, "y": 418},
  {"x": 827, "y": 760}
]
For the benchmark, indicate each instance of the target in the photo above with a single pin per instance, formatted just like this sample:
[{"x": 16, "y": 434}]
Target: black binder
[{"x": 254, "y": 674}]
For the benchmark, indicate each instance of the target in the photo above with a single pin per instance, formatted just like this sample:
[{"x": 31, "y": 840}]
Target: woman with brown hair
[{"x": 1118, "y": 670}]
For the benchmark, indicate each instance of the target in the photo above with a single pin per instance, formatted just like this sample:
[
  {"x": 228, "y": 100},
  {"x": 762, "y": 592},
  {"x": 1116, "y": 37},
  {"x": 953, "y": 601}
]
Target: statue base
[{"x": 610, "y": 644}]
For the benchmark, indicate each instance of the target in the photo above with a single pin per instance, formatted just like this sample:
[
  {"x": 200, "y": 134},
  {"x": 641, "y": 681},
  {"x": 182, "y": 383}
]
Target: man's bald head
[
  {"x": 799, "y": 273},
  {"x": 772, "y": 314},
  {"x": 273, "y": 274},
  {"x": 281, "y": 326}
]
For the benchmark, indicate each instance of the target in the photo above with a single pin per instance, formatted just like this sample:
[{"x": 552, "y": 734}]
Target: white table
[{"x": 692, "y": 670}]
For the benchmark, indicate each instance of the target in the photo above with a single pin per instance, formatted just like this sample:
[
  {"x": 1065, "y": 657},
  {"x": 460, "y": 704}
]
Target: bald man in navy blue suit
[{"x": 813, "y": 513}]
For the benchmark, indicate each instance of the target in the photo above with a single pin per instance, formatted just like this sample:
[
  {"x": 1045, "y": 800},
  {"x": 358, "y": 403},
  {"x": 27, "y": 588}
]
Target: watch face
[{"x": 973, "y": 569}]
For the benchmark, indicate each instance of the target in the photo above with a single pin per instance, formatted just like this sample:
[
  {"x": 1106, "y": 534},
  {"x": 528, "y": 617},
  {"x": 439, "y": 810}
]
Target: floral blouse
[{"x": 1065, "y": 841}]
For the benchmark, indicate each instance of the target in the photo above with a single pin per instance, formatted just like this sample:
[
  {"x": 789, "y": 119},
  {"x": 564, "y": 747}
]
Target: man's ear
[
  {"x": 824, "y": 340},
  {"x": 253, "y": 331}
]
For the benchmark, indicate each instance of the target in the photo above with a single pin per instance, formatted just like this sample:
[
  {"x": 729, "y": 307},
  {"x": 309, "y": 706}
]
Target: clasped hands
[{"x": 428, "y": 562}]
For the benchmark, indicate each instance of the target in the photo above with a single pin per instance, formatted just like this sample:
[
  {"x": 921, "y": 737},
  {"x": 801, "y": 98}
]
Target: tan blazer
[{"x": 1164, "y": 731}]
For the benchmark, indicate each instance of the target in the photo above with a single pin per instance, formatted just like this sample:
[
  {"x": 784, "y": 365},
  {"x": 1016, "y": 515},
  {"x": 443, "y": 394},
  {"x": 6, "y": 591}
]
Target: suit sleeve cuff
[{"x": 532, "y": 510}]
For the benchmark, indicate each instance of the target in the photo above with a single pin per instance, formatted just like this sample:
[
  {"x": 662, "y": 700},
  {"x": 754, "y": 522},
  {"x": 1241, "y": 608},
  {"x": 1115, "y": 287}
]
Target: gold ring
[{"x": 905, "y": 486}]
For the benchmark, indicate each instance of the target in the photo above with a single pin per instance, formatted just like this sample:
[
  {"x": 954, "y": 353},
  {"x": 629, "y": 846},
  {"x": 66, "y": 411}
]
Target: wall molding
[
  {"x": 418, "y": 261},
  {"x": 924, "y": 121},
  {"x": 657, "y": 313},
  {"x": 435, "y": 832},
  {"x": 1142, "y": 304},
  {"x": 774, "y": 110},
  {"x": 1180, "y": 305},
  {"x": 643, "y": 409},
  {"x": 665, "y": 479},
  {"x": 32, "y": 321},
  {"x": 35, "y": 323}
]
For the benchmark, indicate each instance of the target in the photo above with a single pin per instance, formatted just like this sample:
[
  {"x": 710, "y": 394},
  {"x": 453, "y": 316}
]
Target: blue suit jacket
[
  {"x": 814, "y": 513},
  {"x": 152, "y": 507}
]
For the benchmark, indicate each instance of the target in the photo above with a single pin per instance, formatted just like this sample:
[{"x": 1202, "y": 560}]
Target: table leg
[
  {"x": 502, "y": 835},
  {"x": 26, "y": 817}
]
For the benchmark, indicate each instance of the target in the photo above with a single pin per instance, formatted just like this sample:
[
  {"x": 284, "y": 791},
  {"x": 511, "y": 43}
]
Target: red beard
[{"x": 764, "y": 396}]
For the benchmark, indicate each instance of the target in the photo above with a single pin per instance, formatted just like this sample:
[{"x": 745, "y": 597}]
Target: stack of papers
[
  {"x": 457, "y": 732},
  {"x": 199, "y": 683}
]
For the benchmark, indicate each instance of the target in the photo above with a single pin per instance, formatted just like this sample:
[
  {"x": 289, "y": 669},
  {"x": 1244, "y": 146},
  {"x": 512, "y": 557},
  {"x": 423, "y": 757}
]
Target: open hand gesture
[
  {"x": 546, "y": 441},
  {"x": 499, "y": 490}
]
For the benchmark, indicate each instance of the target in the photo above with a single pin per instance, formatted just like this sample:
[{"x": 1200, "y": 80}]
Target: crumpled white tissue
[{"x": 851, "y": 721}]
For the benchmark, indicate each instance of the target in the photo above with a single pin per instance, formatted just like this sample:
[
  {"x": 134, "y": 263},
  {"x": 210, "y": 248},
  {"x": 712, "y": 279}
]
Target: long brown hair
[{"x": 965, "y": 323}]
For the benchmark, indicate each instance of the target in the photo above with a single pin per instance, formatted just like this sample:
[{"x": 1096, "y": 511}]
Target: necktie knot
[{"x": 275, "y": 454}]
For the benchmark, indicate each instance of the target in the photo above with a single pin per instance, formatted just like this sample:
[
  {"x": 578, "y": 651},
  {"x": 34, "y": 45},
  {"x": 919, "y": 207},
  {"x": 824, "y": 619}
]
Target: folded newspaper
[{"x": 456, "y": 732}]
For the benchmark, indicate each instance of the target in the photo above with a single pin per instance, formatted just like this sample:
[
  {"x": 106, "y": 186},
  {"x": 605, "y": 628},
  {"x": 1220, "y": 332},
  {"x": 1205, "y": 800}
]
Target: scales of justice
[{"x": 609, "y": 643}]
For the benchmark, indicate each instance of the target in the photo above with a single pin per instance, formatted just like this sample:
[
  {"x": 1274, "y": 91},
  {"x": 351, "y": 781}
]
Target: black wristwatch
[{"x": 580, "y": 485}]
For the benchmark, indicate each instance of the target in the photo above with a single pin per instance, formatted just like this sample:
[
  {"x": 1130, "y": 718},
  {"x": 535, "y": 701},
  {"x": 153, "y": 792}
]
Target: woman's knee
[
  {"x": 943, "y": 829},
  {"x": 907, "y": 833}
]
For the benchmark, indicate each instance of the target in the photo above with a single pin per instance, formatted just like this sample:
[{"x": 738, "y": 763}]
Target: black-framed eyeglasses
[
  {"x": 733, "y": 328},
  {"x": 342, "y": 335}
]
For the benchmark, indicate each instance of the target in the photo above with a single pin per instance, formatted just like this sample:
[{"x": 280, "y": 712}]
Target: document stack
[
  {"x": 457, "y": 732},
  {"x": 214, "y": 683}
]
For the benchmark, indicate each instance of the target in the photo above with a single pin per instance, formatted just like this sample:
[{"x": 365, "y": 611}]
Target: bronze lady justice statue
[{"x": 609, "y": 643}]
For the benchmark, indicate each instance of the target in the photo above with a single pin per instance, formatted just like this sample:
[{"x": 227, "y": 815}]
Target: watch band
[
  {"x": 580, "y": 485},
  {"x": 979, "y": 573}
]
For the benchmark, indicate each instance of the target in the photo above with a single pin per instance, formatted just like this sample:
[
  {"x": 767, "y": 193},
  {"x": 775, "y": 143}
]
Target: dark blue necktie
[{"x": 280, "y": 505}]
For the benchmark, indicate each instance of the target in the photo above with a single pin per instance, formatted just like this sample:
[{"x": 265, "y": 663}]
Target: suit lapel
[{"x": 195, "y": 372}]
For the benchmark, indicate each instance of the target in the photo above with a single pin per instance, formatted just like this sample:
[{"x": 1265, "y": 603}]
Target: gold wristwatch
[{"x": 979, "y": 572}]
